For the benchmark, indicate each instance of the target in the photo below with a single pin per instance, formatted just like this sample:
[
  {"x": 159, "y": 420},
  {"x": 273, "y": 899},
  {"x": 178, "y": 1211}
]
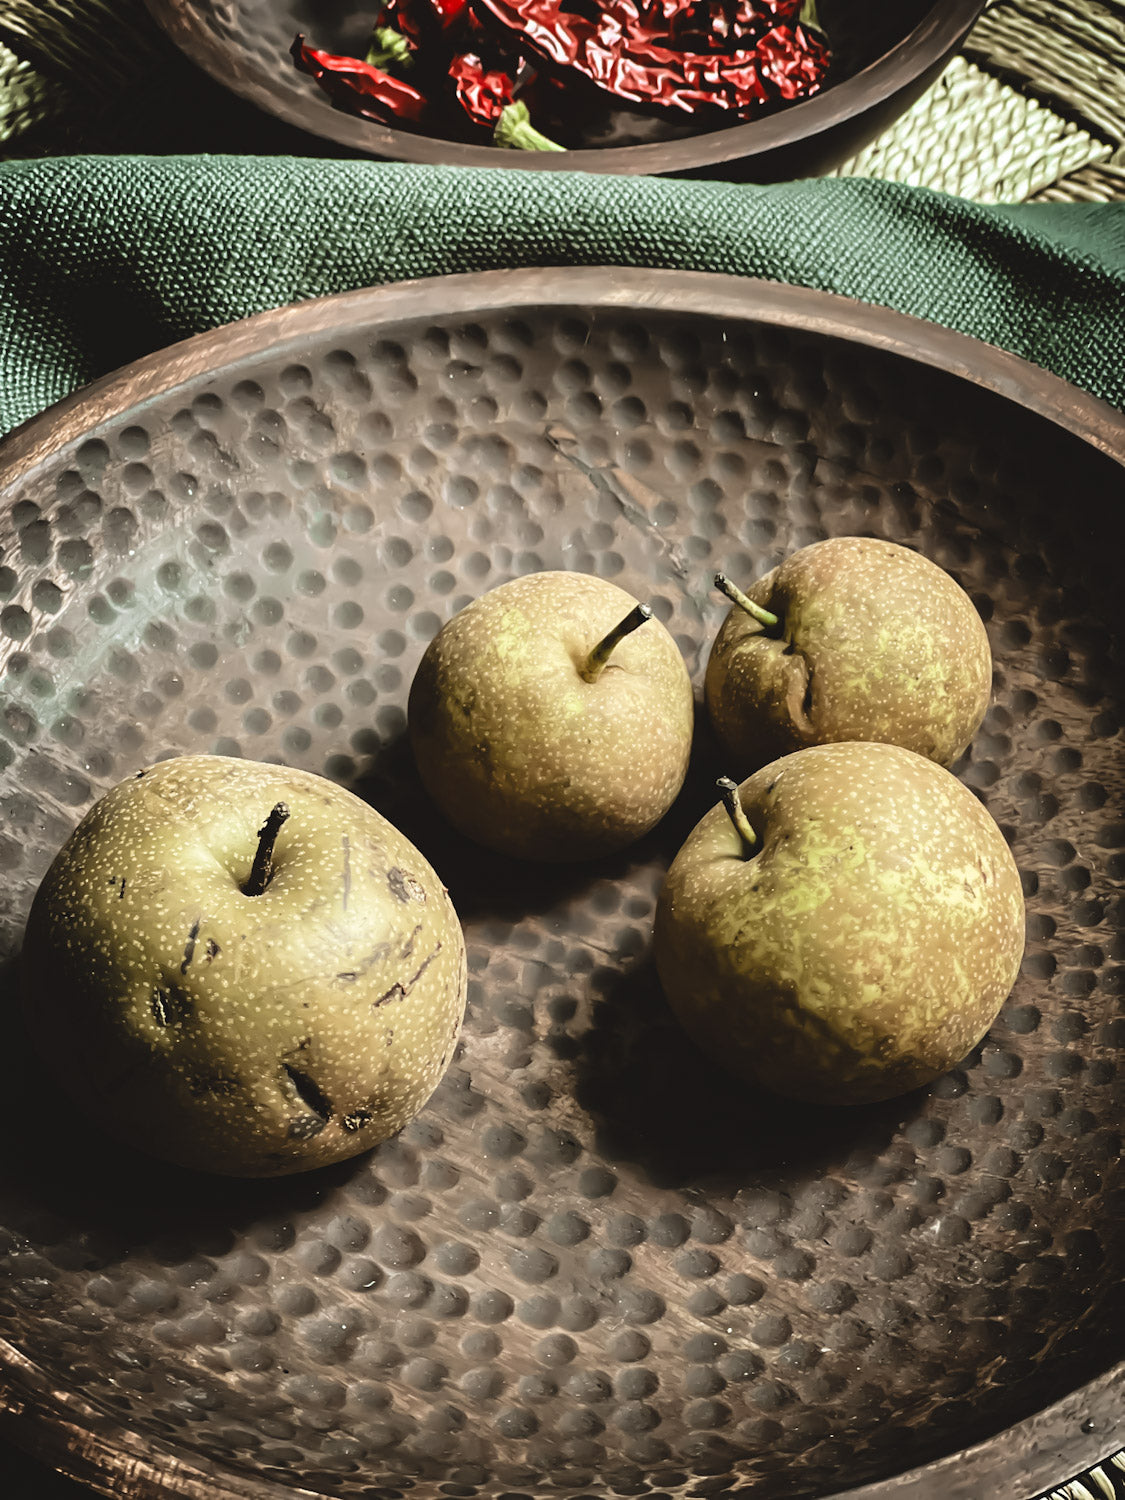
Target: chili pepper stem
[
  {"x": 389, "y": 47},
  {"x": 361, "y": 88},
  {"x": 515, "y": 130},
  {"x": 808, "y": 17}
]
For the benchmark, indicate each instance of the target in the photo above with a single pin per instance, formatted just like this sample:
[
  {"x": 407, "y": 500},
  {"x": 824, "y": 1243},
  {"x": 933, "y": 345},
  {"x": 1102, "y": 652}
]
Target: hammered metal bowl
[
  {"x": 885, "y": 57},
  {"x": 590, "y": 1267}
]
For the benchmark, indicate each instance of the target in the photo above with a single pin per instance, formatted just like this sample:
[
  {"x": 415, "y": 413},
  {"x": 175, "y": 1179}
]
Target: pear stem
[
  {"x": 261, "y": 872},
  {"x": 764, "y": 617},
  {"x": 598, "y": 657},
  {"x": 733, "y": 804}
]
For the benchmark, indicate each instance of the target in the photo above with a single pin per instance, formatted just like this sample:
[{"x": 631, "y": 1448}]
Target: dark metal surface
[
  {"x": 590, "y": 1266},
  {"x": 885, "y": 58}
]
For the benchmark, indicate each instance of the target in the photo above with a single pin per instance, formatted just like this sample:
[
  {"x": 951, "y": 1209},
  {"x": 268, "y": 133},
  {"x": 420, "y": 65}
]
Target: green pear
[
  {"x": 845, "y": 928},
  {"x": 551, "y": 719},
  {"x": 243, "y": 968},
  {"x": 848, "y": 639}
]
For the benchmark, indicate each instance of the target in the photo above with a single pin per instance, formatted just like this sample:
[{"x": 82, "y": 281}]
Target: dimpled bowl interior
[
  {"x": 884, "y": 57},
  {"x": 589, "y": 1265}
]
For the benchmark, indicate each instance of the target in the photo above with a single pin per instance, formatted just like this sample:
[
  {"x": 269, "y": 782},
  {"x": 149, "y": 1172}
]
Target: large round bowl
[
  {"x": 591, "y": 1266},
  {"x": 886, "y": 56}
]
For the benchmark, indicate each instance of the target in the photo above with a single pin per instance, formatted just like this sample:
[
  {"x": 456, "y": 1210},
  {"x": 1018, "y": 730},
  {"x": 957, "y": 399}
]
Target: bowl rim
[
  {"x": 939, "y": 32},
  {"x": 56, "y": 1425},
  {"x": 639, "y": 288}
]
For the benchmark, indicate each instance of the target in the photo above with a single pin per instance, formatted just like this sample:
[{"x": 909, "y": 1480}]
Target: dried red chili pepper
[
  {"x": 423, "y": 21},
  {"x": 618, "y": 54},
  {"x": 709, "y": 25},
  {"x": 794, "y": 60},
  {"x": 359, "y": 87},
  {"x": 727, "y": 17},
  {"x": 487, "y": 95},
  {"x": 481, "y": 92},
  {"x": 449, "y": 12}
]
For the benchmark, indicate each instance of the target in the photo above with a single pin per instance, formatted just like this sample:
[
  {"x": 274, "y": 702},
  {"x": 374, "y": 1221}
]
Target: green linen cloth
[{"x": 103, "y": 259}]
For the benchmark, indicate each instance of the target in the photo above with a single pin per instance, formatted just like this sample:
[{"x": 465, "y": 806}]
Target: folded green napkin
[{"x": 103, "y": 259}]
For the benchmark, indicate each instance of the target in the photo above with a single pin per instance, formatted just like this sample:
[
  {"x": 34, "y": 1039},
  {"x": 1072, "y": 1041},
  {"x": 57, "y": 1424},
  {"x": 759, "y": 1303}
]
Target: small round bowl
[{"x": 884, "y": 58}]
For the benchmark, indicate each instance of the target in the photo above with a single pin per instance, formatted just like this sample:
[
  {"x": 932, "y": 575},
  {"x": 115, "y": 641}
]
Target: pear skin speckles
[
  {"x": 868, "y": 943},
  {"x": 250, "y": 1035},
  {"x": 876, "y": 643},
  {"x": 524, "y": 755}
]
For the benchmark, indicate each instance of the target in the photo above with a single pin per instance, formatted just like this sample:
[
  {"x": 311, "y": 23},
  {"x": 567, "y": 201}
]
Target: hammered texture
[{"x": 590, "y": 1265}]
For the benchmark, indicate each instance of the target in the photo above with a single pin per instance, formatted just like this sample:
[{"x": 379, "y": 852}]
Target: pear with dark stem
[
  {"x": 852, "y": 638},
  {"x": 237, "y": 995},
  {"x": 551, "y": 719},
  {"x": 844, "y": 927}
]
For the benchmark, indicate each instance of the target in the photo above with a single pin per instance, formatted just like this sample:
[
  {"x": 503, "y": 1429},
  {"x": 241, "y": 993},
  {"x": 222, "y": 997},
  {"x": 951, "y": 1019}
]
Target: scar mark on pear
[
  {"x": 380, "y": 952},
  {"x": 807, "y": 700},
  {"x": 408, "y": 947},
  {"x": 296, "y": 1082},
  {"x": 404, "y": 885},
  {"x": 399, "y": 991},
  {"x": 169, "y": 1005},
  {"x": 189, "y": 946}
]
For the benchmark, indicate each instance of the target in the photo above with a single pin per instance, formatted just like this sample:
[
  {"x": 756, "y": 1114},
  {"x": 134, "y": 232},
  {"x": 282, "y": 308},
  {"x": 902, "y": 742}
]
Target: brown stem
[
  {"x": 598, "y": 657},
  {"x": 261, "y": 872},
  {"x": 764, "y": 617},
  {"x": 733, "y": 804}
]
